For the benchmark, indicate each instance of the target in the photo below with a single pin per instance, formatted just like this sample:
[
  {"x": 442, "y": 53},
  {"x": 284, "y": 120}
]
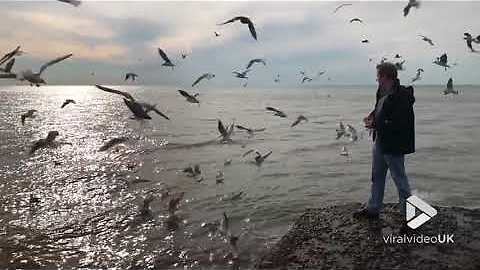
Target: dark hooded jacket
[{"x": 395, "y": 120}]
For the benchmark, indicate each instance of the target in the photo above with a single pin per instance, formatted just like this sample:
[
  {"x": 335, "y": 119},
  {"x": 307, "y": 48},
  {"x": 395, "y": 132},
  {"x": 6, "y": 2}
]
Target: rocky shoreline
[{"x": 330, "y": 238}]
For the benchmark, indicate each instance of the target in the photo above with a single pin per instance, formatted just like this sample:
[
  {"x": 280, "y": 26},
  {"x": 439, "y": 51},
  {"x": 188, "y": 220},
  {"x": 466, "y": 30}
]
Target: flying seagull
[
  {"x": 136, "y": 107},
  {"x": 250, "y": 131},
  {"x": 224, "y": 132},
  {"x": 418, "y": 75},
  {"x": 411, "y": 3},
  {"x": 207, "y": 76},
  {"x": 442, "y": 61},
  {"x": 217, "y": 34},
  {"x": 259, "y": 158},
  {"x": 306, "y": 79},
  {"x": 340, "y": 6},
  {"x": 449, "y": 89},
  {"x": 131, "y": 76},
  {"x": 190, "y": 98},
  {"x": 356, "y": 20},
  {"x": 244, "y": 20},
  {"x": 75, "y": 3},
  {"x": 277, "y": 112},
  {"x": 277, "y": 79},
  {"x": 28, "y": 114},
  {"x": 241, "y": 75},
  {"x": 469, "y": 39},
  {"x": 257, "y": 60},
  {"x": 426, "y": 39},
  {"x": 184, "y": 55},
  {"x": 365, "y": 41},
  {"x": 49, "y": 141},
  {"x": 351, "y": 132},
  {"x": 300, "y": 118},
  {"x": 35, "y": 78},
  {"x": 165, "y": 58},
  {"x": 112, "y": 143},
  {"x": 66, "y": 102}
]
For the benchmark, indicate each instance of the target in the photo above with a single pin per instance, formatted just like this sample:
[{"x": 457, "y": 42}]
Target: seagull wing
[
  {"x": 185, "y": 94},
  {"x": 9, "y": 55},
  {"x": 252, "y": 29},
  {"x": 163, "y": 55},
  {"x": 110, "y": 90},
  {"x": 243, "y": 128},
  {"x": 266, "y": 155},
  {"x": 250, "y": 63},
  {"x": 199, "y": 79},
  {"x": 53, "y": 62},
  {"x": 221, "y": 128},
  {"x": 339, "y": 7},
  {"x": 450, "y": 84},
  {"x": 406, "y": 10},
  {"x": 9, "y": 65},
  {"x": 65, "y": 103},
  {"x": 248, "y": 152},
  {"x": 160, "y": 113},
  {"x": 273, "y": 109},
  {"x": 231, "y": 20},
  {"x": 137, "y": 109},
  {"x": 296, "y": 122},
  {"x": 8, "y": 76}
]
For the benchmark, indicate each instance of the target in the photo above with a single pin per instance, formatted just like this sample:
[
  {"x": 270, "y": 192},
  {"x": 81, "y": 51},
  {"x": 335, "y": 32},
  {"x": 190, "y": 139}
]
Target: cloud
[
  {"x": 292, "y": 36},
  {"x": 67, "y": 25}
]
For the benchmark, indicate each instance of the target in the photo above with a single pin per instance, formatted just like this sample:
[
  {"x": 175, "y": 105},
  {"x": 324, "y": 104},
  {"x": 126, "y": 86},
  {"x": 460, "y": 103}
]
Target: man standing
[{"x": 393, "y": 124}]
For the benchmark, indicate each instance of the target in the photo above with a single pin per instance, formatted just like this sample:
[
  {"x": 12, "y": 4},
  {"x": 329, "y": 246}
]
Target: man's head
[{"x": 386, "y": 75}]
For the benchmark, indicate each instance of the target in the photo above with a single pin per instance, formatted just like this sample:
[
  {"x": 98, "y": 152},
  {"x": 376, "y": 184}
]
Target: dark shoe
[{"x": 364, "y": 213}]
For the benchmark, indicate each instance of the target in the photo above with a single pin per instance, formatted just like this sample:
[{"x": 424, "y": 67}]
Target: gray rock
[{"x": 330, "y": 238}]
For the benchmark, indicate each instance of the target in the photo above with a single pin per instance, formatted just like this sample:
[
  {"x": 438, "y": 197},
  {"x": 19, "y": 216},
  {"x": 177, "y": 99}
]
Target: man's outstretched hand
[{"x": 369, "y": 121}]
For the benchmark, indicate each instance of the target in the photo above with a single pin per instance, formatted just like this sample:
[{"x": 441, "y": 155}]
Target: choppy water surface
[{"x": 76, "y": 207}]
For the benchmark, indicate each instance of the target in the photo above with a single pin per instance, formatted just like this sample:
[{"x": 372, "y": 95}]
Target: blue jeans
[{"x": 380, "y": 164}]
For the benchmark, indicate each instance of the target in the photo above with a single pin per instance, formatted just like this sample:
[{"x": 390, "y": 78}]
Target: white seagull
[
  {"x": 449, "y": 89},
  {"x": 257, "y": 60},
  {"x": 28, "y": 114},
  {"x": 137, "y": 108},
  {"x": 244, "y": 20},
  {"x": 34, "y": 78},
  {"x": 418, "y": 75},
  {"x": 225, "y": 133},
  {"x": 426, "y": 39},
  {"x": 442, "y": 61},
  {"x": 167, "y": 62}
]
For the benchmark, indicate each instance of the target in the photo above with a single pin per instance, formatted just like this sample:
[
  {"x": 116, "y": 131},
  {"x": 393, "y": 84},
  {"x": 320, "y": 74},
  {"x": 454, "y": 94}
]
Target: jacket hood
[{"x": 405, "y": 90}]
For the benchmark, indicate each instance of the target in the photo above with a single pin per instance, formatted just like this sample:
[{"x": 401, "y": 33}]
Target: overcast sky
[{"x": 111, "y": 38}]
